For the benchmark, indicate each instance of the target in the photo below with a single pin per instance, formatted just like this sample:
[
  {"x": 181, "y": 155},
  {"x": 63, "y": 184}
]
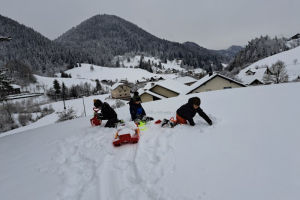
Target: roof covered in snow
[
  {"x": 207, "y": 78},
  {"x": 172, "y": 85},
  {"x": 153, "y": 94},
  {"x": 185, "y": 79},
  {"x": 15, "y": 86},
  {"x": 116, "y": 85}
]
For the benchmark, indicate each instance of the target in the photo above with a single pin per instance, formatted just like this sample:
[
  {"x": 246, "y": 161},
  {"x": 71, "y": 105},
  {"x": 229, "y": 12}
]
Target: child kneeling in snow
[
  {"x": 107, "y": 113},
  {"x": 137, "y": 111},
  {"x": 188, "y": 111}
]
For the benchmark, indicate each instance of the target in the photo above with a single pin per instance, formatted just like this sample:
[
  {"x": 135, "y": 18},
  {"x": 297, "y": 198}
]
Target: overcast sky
[{"x": 213, "y": 24}]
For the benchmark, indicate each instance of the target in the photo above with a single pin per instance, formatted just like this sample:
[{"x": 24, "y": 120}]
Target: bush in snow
[
  {"x": 67, "y": 114},
  {"x": 24, "y": 118},
  {"x": 119, "y": 103}
]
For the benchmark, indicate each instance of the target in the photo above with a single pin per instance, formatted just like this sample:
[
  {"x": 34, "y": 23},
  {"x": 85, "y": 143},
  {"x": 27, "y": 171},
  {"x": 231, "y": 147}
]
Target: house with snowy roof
[
  {"x": 186, "y": 80},
  {"x": 163, "y": 89},
  {"x": 249, "y": 72},
  {"x": 213, "y": 81},
  {"x": 120, "y": 91},
  {"x": 256, "y": 82}
]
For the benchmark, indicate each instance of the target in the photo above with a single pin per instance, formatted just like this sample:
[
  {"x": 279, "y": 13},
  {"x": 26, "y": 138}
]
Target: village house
[
  {"x": 249, "y": 72},
  {"x": 296, "y": 36},
  {"x": 163, "y": 89},
  {"x": 120, "y": 91},
  {"x": 256, "y": 82},
  {"x": 214, "y": 81}
]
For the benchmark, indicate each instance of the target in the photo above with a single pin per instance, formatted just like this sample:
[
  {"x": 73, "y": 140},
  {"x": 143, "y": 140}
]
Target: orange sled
[{"x": 127, "y": 138}]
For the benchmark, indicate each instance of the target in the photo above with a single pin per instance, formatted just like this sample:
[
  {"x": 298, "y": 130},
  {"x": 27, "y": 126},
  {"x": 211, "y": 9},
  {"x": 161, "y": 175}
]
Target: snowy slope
[
  {"x": 287, "y": 57},
  {"x": 169, "y": 65},
  {"x": 251, "y": 152},
  {"x": 112, "y": 73}
]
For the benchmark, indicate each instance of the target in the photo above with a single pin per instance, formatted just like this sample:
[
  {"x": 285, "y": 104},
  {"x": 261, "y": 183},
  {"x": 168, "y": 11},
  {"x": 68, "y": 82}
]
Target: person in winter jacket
[
  {"x": 107, "y": 113},
  {"x": 135, "y": 107},
  {"x": 188, "y": 111}
]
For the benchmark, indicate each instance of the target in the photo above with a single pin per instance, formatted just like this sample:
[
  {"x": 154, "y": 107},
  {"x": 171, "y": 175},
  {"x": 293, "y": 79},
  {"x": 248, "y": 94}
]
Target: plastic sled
[
  {"x": 95, "y": 122},
  {"x": 127, "y": 138}
]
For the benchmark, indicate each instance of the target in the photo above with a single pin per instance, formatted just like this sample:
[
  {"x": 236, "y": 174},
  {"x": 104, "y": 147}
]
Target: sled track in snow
[{"x": 90, "y": 168}]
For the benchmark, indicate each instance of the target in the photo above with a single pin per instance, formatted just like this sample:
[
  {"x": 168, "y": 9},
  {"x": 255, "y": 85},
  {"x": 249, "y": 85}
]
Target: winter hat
[
  {"x": 196, "y": 101},
  {"x": 97, "y": 103},
  {"x": 137, "y": 98}
]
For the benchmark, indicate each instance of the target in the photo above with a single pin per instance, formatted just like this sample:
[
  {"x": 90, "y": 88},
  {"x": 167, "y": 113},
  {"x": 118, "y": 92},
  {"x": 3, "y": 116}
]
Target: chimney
[{"x": 210, "y": 73}]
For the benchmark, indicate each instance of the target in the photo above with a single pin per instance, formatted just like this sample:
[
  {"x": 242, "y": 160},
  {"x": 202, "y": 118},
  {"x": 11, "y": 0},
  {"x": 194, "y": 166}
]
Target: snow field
[{"x": 250, "y": 152}]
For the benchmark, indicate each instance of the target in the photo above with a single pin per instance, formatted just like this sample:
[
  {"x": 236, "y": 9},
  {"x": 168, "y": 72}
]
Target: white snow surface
[
  {"x": 113, "y": 73},
  {"x": 250, "y": 152},
  {"x": 288, "y": 57}
]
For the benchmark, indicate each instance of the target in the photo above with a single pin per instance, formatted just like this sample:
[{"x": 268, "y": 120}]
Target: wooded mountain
[
  {"x": 227, "y": 53},
  {"x": 105, "y": 36},
  {"x": 42, "y": 55},
  {"x": 257, "y": 49}
]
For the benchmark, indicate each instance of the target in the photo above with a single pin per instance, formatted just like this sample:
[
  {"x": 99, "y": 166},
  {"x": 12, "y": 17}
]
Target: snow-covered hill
[
  {"x": 288, "y": 57},
  {"x": 112, "y": 73},
  {"x": 250, "y": 152}
]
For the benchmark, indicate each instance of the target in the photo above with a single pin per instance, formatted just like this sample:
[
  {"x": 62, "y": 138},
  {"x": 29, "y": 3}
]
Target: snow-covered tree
[{"x": 278, "y": 73}]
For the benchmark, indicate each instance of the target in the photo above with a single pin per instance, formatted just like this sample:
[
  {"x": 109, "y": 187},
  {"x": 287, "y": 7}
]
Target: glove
[
  {"x": 210, "y": 123},
  {"x": 99, "y": 116}
]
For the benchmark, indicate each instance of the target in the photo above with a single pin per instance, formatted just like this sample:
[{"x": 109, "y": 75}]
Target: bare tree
[
  {"x": 278, "y": 73},
  {"x": 92, "y": 68}
]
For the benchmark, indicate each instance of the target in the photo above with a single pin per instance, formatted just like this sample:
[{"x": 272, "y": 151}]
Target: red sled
[
  {"x": 95, "y": 121},
  {"x": 127, "y": 138}
]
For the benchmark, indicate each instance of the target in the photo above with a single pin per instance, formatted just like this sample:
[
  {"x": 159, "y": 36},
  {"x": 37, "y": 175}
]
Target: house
[
  {"x": 256, "y": 82},
  {"x": 249, "y": 72},
  {"x": 15, "y": 89},
  {"x": 268, "y": 71},
  {"x": 120, "y": 91},
  {"x": 123, "y": 80},
  {"x": 296, "y": 36},
  {"x": 186, "y": 80},
  {"x": 213, "y": 81},
  {"x": 163, "y": 89}
]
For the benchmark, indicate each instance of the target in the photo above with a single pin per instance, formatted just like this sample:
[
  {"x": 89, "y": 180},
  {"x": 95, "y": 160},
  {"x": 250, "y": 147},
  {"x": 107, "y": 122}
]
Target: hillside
[
  {"x": 33, "y": 49},
  {"x": 288, "y": 57},
  {"x": 227, "y": 53},
  {"x": 250, "y": 152},
  {"x": 257, "y": 49},
  {"x": 105, "y": 36}
]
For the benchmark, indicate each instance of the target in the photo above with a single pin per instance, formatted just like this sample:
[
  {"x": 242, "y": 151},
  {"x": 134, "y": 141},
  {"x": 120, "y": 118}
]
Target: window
[
  {"x": 207, "y": 90},
  {"x": 124, "y": 90},
  {"x": 120, "y": 95},
  {"x": 227, "y": 87}
]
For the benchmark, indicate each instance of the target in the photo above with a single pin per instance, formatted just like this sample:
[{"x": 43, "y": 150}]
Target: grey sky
[{"x": 213, "y": 24}]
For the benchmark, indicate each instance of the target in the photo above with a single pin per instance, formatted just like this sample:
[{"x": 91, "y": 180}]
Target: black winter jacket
[
  {"x": 108, "y": 112},
  {"x": 134, "y": 108},
  {"x": 187, "y": 112}
]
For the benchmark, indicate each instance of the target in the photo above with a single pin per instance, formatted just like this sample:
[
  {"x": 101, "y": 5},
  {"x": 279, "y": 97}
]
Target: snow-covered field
[
  {"x": 250, "y": 152},
  {"x": 288, "y": 57},
  {"x": 112, "y": 73}
]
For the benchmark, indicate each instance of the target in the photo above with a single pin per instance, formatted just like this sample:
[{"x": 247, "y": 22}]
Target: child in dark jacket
[
  {"x": 188, "y": 111},
  {"x": 136, "y": 109},
  {"x": 107, "y": 113}
]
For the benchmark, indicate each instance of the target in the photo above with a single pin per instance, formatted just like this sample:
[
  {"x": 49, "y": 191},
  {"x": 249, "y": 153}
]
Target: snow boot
[{"x": 164, "y": 122}]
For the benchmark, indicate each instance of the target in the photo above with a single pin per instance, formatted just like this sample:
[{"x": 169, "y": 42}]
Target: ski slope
[
  {"x": 250, "y": 152},
  {"x": 288, "y": 57}
]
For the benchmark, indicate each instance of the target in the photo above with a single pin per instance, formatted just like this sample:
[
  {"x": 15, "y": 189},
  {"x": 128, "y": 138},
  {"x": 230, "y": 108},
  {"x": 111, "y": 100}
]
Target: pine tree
[
  {"x": 56, "y": 87},
  {"x": 98, "y": 85}
]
